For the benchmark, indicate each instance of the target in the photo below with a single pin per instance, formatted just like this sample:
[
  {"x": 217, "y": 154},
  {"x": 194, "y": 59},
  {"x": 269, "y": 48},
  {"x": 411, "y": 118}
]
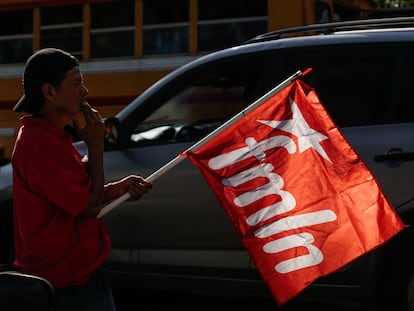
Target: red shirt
[{"x": 51, "y": 188}]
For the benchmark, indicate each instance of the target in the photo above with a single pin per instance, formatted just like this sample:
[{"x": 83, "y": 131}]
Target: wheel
[
  {"x": 410, "y": 294},
  {"x": 6, "y": 232},
  {"x": 399, "y": 273}
]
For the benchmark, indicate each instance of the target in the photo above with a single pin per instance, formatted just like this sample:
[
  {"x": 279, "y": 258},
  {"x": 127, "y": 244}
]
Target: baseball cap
[{"x": 48, "y": 65}]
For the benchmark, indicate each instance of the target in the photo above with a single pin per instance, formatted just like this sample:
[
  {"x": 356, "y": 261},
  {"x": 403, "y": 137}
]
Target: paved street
[{"x": 146, "y": 301}]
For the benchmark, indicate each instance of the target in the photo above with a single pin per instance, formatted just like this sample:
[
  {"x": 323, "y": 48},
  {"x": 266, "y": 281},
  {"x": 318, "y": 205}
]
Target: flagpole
[{"x": 179, "y": 158}]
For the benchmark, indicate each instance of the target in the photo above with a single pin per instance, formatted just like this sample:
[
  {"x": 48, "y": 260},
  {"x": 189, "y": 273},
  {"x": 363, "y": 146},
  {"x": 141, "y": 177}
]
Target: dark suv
[{"x": 178, "y": 237}]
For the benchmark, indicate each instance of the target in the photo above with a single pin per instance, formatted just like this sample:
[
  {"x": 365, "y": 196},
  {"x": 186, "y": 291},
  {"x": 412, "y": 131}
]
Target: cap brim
[{"x": 21, "y": 104}]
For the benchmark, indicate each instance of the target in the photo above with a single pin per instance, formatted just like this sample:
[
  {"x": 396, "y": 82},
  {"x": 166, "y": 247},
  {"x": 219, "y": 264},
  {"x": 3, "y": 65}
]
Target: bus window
[
  {"x": 222, "y": 24},
  {"x": 16, "y": 36},
  {"x": 166, "y": 27},
  {"x": 345, "y": 13},
  {"x": 112, "y": 29},
  {"x": 62, "y": 28},
  {"x": 322, "y": 12}
]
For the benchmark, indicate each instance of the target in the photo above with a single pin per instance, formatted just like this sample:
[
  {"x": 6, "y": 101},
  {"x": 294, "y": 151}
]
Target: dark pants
[{"x": 95, "y": 295}]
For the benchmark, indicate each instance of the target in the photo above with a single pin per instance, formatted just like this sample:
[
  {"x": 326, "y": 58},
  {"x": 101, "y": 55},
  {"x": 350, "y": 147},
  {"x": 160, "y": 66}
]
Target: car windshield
[{"x": 193, "y": 112}]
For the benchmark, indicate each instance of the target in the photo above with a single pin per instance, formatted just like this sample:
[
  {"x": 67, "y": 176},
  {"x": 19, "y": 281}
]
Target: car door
[
  {"x": 179, "y": 222},
  {"x": 367, "y": 89}
]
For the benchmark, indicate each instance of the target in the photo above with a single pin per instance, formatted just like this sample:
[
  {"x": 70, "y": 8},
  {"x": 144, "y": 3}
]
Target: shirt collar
[{"x": 31, "y": 120}]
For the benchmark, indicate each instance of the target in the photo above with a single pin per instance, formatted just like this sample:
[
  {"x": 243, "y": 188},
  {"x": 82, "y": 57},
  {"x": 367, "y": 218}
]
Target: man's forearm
[{"x": 96, "y": 173}]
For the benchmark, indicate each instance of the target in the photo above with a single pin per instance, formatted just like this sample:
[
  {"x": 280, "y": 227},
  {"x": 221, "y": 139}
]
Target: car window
[
  {"x": 214, "y": 95},
  {"x": 360, "y": 84}
]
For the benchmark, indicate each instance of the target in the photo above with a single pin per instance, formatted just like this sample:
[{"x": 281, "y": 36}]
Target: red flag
[{"x": 302, "y": 201}]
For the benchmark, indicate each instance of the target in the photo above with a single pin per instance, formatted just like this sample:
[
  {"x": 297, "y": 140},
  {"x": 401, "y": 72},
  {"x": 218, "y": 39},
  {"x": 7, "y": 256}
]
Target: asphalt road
[{"x": 147, "y": 300}]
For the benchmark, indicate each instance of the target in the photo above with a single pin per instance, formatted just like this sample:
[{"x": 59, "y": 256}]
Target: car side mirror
[{"x": 111, "y": 132}]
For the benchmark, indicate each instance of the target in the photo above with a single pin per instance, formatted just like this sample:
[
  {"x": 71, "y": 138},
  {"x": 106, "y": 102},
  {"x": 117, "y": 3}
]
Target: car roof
[
  {"x": 340, "y": 33},
  {"x": 334, "y": 27}
]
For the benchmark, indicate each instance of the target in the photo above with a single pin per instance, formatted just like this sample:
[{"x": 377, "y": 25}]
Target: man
[{"x": 58, "y": 194}]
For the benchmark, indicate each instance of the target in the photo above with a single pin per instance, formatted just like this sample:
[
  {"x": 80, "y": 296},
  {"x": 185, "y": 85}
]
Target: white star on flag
[{"x": 307, "y": 137}]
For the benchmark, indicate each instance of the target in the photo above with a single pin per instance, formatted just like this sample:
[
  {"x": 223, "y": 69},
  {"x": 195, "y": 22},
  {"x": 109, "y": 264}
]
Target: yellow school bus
[{"x": 126, "y": 45}]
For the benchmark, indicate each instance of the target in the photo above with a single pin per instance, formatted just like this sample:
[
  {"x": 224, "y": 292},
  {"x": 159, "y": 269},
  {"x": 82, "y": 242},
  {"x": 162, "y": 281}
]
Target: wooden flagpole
[{"x": 179, "y": 158}]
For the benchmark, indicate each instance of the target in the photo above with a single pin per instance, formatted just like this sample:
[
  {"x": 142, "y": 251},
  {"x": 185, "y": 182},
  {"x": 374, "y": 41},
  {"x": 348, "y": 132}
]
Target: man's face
[{"x": 70, "y": 93}]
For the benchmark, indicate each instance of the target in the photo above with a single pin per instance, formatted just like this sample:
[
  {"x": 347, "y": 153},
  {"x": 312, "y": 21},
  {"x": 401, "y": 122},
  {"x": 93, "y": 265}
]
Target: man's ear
[{"x": 48, "y": 90}]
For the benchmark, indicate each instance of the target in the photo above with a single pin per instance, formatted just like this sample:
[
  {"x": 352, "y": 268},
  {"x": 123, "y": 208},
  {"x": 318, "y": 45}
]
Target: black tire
[
  {"x": 6, "y": 232},
  {"x": 399, "y": 273}
]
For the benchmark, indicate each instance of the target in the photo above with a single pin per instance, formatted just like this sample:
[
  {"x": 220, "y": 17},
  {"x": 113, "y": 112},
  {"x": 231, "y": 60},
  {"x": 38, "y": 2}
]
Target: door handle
[{"x": 394, "y": 155}]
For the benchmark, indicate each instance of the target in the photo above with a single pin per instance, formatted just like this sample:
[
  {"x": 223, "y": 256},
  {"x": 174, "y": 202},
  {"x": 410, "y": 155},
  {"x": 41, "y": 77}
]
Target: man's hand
[
  {"x": 94, "y": 130},
  {"x": 93, "y": 135},
  {"x": 135, "y": 185}
]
